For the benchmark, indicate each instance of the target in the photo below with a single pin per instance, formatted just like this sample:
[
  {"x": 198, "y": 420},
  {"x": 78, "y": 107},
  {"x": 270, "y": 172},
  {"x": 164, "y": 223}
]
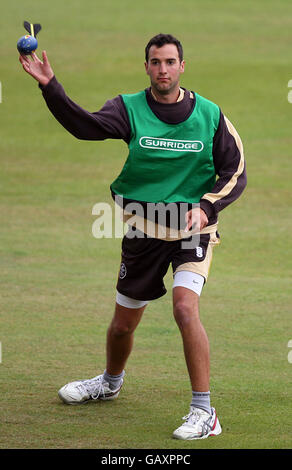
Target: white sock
[
  {"x": 113, "y": 380},
  {"x": 201, "y": 400}
]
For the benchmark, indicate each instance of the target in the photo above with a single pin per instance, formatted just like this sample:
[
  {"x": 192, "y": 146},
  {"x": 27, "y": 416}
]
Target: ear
[
  {"x": 146, "y": 67},
  {"x": 182, "y": 66}
]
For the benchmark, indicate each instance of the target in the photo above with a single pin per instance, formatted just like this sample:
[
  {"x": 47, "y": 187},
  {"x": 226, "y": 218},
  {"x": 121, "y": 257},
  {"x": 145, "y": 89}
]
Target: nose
[{"x": 163, "y": 69}]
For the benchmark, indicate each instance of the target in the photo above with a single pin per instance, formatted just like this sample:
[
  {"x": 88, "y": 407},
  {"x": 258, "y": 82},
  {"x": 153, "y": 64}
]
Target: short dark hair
[{"x": 160, "y": 40}]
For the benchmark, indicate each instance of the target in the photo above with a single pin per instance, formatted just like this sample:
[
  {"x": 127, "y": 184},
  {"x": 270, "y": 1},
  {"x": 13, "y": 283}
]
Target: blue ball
[{"x": 27, "y": 44}]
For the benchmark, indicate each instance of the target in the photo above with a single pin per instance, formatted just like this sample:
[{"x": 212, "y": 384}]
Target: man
[{"x": 178, "y": 143}]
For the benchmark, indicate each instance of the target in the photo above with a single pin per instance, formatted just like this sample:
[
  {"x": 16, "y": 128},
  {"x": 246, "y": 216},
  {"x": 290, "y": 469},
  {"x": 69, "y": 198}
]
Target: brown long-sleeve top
[{"x": 112, "y": 122}]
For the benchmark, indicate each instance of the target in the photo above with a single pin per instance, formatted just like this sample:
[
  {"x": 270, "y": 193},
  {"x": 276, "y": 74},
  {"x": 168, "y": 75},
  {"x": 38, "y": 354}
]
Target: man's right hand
[{"x": 40, "y": 71}]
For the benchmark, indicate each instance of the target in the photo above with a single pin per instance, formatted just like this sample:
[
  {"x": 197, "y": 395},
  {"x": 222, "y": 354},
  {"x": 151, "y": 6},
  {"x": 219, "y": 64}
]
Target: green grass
[{"x": 58, "y": 282}]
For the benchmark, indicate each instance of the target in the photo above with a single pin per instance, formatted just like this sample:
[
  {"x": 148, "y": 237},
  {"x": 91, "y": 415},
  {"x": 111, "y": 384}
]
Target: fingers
[
  {"x": 27, "y": 59},
  {"x": 189, "y": 221},
  {"x": 35, "y": 57},
  {"x": 23, "y": 59},
  {"x": 192, "y": 218},
  {"x": 45, "y": 58},
  {"x": 25, "y": 62}
]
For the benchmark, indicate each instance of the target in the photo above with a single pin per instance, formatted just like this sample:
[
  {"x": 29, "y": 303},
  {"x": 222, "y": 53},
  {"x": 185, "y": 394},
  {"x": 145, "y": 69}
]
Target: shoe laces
[
  {"x": 95, "y": 387},
  {"x": 194, "y": 416}
]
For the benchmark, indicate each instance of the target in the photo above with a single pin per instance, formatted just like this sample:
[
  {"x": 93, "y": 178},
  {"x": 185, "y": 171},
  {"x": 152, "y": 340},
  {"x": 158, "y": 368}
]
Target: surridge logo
[{"x": 173, "y": 145}]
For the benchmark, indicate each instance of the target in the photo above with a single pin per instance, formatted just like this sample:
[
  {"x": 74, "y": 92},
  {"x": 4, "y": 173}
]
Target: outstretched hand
[{"x": 40, "y": 71}]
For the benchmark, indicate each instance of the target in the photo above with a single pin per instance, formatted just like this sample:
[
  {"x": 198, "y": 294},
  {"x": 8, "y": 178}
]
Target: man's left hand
[{"x": 196, "y": 218}]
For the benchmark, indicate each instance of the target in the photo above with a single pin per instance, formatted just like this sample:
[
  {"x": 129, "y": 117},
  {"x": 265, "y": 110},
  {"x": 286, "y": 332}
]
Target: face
[{"x": 164, "y": 68}]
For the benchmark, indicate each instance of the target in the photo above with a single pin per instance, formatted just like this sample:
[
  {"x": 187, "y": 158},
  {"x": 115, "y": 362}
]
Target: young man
[{"x": 178, "y": 143}]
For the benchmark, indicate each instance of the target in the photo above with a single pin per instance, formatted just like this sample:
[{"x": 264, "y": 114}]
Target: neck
[{"x": 168, "y": 98}]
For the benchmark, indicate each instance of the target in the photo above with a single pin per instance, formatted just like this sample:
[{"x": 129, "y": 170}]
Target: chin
[{"x": 163, "y": 90}]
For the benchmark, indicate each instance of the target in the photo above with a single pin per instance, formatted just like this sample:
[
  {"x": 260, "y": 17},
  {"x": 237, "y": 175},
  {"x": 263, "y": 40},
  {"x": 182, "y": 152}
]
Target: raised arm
[{"x": 110, "y": 122}]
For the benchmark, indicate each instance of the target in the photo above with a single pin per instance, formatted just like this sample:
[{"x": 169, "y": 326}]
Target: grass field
[{"x": 58, "y": 281}]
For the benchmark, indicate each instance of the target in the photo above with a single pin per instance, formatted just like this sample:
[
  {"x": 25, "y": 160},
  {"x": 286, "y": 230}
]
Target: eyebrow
[{"x": 168, "y": 58}]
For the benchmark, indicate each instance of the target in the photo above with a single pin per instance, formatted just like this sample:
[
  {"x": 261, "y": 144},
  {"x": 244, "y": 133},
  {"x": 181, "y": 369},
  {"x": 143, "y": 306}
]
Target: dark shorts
[{"x": 145, "y": 262}]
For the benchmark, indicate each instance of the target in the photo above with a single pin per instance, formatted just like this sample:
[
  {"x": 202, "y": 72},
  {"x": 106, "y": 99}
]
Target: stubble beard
[{"x": 161, "y": 90}]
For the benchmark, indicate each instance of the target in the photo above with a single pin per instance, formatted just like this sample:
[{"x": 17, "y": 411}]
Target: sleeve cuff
[
  {"x": 49, "y": 85},
  {"x": 208, "y": 208}
]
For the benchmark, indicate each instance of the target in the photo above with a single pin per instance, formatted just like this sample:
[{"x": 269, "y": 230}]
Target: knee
[
  {"x": 119, "y": 329},
  {"x": 184, "y": 313}
]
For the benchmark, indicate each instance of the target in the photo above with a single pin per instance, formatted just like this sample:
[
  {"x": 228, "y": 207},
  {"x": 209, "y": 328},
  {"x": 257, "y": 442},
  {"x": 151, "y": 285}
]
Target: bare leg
[
  {"x": 195, "y": 340},
  {"x": 120, "y": 337}
]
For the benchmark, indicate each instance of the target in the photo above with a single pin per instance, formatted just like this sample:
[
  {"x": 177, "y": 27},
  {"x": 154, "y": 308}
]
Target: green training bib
[{"x": 168, "y": 162}]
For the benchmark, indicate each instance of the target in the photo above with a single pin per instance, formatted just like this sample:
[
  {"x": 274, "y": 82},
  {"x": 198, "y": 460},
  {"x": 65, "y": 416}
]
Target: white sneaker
[
  {"x": 83, "y": 391},
  {"x": 198, "y": 425}
]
